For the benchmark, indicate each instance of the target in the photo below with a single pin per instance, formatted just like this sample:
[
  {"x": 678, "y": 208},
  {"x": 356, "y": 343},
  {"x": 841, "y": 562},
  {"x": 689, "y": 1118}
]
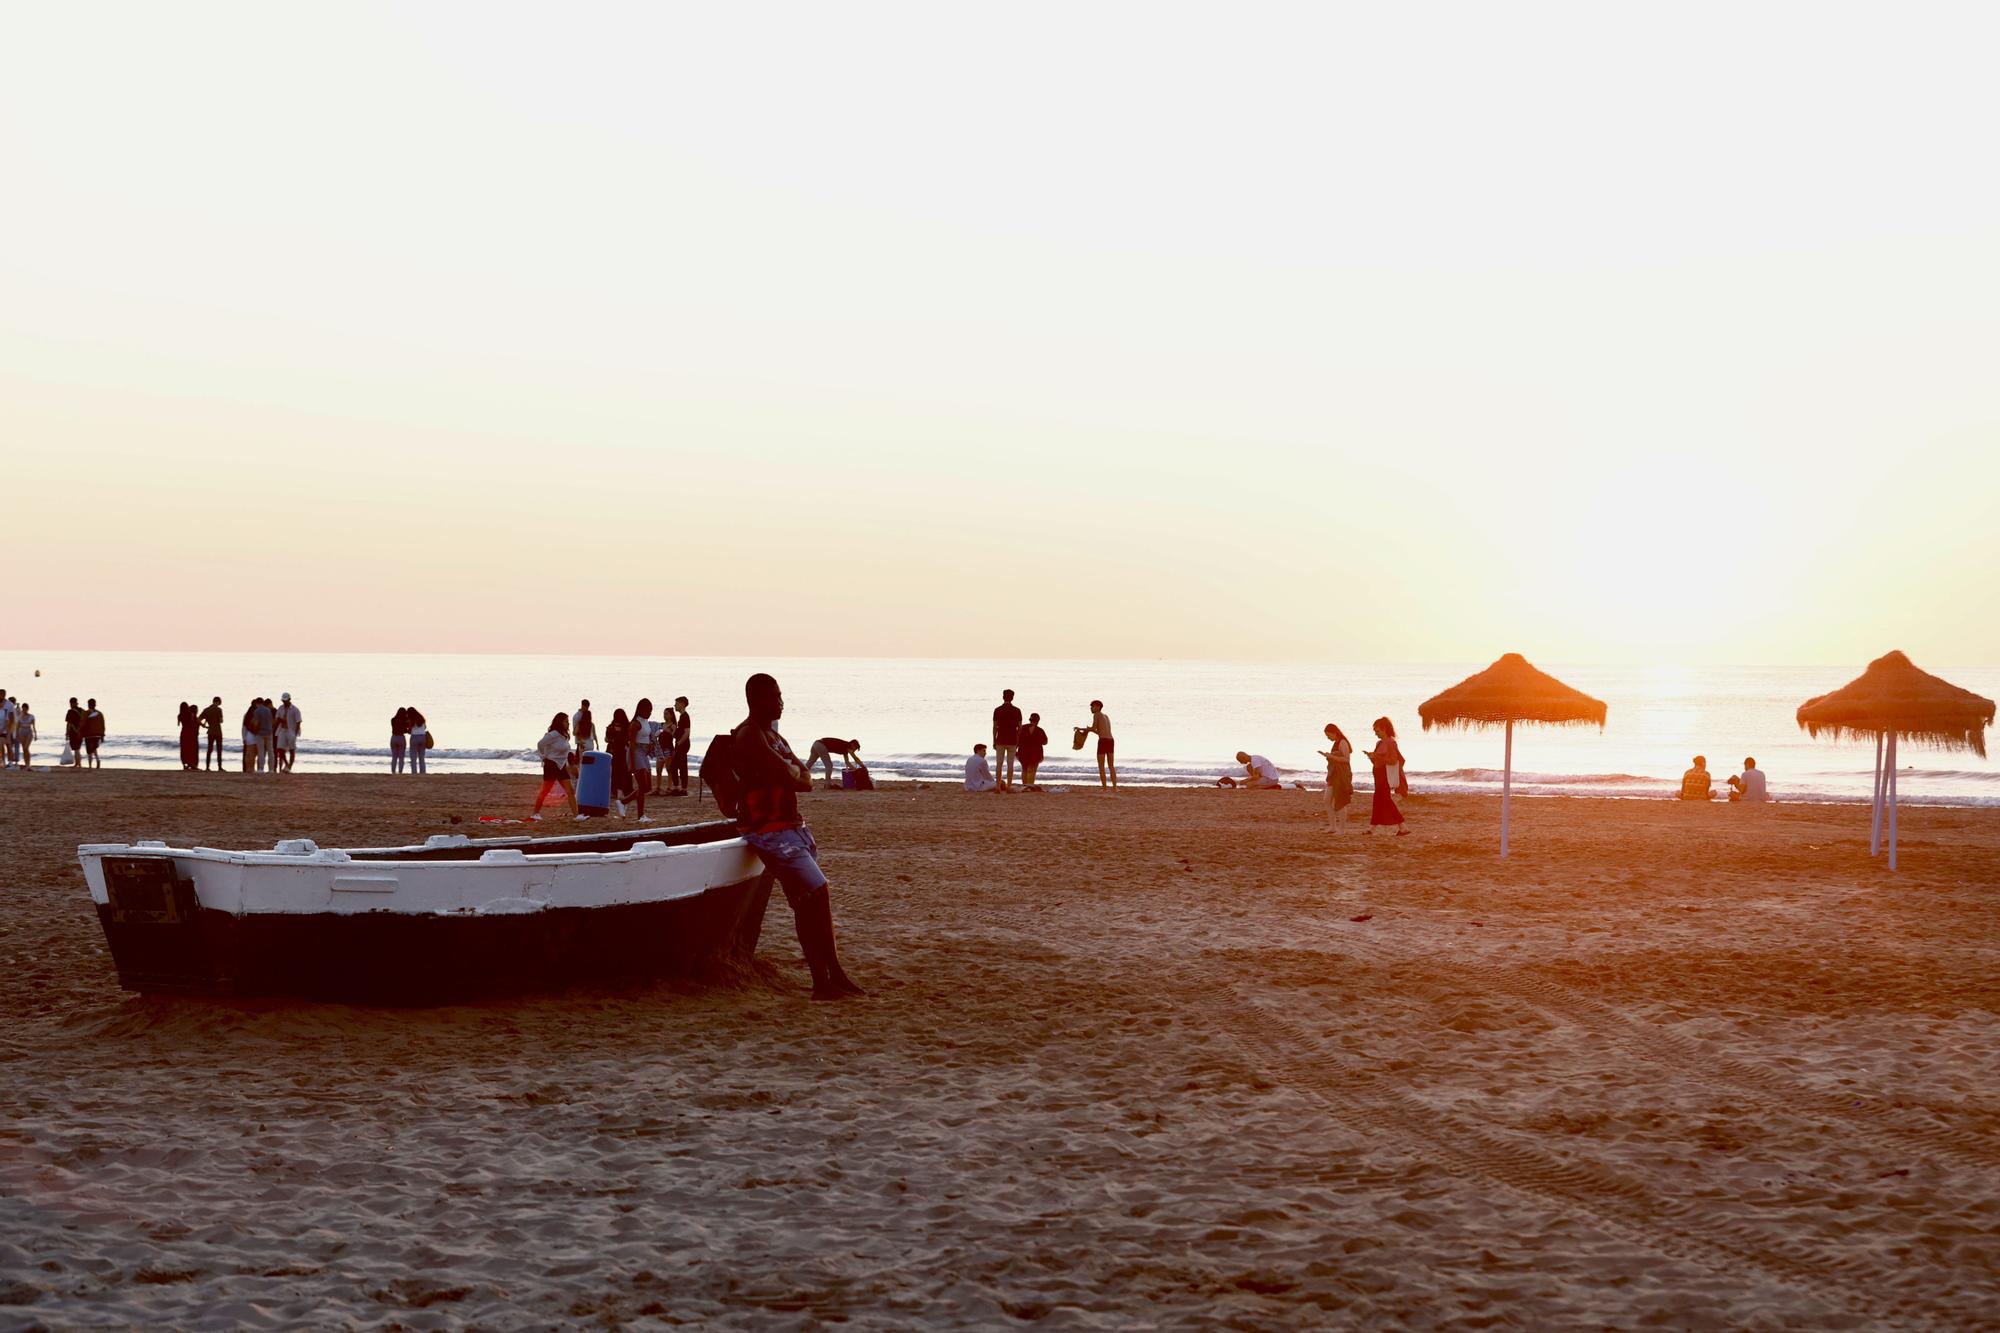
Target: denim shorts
[{"x": 791, "y": 855}]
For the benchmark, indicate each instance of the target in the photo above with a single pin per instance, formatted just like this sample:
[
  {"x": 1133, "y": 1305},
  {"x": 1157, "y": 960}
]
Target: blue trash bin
[{"x": 593, "y": 783}]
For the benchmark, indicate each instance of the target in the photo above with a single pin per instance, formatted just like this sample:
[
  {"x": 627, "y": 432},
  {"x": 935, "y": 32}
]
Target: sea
[{"x": 1178, "y": 723}]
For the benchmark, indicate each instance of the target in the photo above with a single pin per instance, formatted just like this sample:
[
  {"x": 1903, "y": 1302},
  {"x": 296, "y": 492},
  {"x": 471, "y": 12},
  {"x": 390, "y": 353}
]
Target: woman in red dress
[{"x": 1387, "y": 759}]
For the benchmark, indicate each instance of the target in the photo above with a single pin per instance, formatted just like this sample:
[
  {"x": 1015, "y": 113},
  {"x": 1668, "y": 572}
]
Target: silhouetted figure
[
  {"x": 190, "y": 725},
  {"x": 420, "y": 741},
  {"x": 73, "y": 732},
  {"x": 399, "y": 738},
  {"x": 771, "y": 778},
  {"x": 211, "y": 721},
  {"x": 1387, "y": 758},
  {"x": 677, "y": 770},
  {"x": 93, "y": 733},
  {"x": 1006, "y": 738},
  {"x": 1034, "y": 744}
]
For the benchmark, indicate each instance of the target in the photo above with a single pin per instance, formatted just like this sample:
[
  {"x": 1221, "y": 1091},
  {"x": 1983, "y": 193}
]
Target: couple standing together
[{"x": 1390, "y": 779}]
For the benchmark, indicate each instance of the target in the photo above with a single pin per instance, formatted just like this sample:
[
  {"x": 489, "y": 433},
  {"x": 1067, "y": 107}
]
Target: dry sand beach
[{"x": 1168, "y": 1059}]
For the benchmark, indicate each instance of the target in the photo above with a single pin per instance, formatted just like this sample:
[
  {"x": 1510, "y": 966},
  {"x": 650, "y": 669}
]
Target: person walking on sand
[
  {"x": 978, "y": 777},
  {"x": 1034, "y": 743},
  {"x": 770, "y": 778},
  {"x": 24, "y": 734},
  {"x": 1006, "y": 738},
  {"x": 288, "y": 732},
  {"x": 211, "y": 721},
  {"x": 1339, "y": 777},
  {"x": 93, "y": 733},
  {"x": 585, "y": 727},
  {"x": 73, "y": 732},
  {"x": 420, "y": 741},
  {"x": 1107, "y": 757},
  {"x": 645, "y": 747},
  {"x": 554, "y": 750},
  {"x": 1387, "y": 759}
]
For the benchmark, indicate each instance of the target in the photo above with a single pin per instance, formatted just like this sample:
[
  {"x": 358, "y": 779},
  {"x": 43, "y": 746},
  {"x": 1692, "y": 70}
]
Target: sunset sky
[{"x": 1348, "y": 333}]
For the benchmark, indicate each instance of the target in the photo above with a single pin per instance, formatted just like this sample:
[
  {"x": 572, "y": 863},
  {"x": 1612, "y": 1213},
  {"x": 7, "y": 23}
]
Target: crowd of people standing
[{"x": 649, "y": 756}]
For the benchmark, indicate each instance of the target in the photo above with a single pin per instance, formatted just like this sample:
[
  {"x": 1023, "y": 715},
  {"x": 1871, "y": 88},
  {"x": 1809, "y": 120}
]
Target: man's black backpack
[{"x": 718, "y": 774}]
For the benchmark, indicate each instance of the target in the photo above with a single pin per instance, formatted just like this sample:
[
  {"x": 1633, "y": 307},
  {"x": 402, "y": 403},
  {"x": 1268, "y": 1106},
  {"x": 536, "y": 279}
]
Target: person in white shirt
[
  {"x": 289, "y": 730},
  {"x": 554, "y": 750},
  {"x": 9, "y": 747},
  {"x": 1750, "y": 785},
  {"x": 1259, "y": 774},
  {"x": 978, "y": 776}
]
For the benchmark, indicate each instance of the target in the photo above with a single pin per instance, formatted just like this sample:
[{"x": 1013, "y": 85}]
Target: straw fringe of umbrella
[
  {"x": 1507, "y": 692},
  {"x": 1893, "y": 699}
]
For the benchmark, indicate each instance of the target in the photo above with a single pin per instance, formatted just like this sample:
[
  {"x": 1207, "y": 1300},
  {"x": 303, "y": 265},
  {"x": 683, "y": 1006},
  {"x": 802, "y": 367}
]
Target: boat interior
[{"x": 458, "y": 847}]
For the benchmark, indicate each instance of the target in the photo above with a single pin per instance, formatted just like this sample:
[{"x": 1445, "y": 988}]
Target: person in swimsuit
[{"x": 1107, "y": 758}]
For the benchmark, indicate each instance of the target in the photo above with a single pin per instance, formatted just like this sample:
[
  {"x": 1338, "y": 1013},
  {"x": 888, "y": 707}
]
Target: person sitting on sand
[
  {"x": 768, "y": 818},
  {"x": 978, "y": 777},
  {"x": 1750, "y": 785},
  {"x": 826, "y": 747},
  {"x": 554, "y": 750},
  {"x": 1696, "y": 783},
  {"x": 1259, "y": 774}
]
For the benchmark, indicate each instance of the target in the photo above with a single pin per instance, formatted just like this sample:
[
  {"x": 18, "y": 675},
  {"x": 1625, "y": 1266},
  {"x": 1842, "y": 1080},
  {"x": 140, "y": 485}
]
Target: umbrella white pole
[
  {"x": 1890, "y": 778},
  {"x": 1875, "y": 805},
  {"x": 1506, "y": 786}
]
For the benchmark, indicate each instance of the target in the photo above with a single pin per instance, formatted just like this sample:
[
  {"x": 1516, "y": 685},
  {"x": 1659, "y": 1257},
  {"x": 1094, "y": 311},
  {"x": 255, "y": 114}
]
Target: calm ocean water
[{"x": 1176, "y": 722}]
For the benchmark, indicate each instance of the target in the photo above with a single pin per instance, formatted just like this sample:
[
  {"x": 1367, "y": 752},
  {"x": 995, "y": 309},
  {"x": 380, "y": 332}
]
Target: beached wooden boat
[{"x": 455, "y": 918}]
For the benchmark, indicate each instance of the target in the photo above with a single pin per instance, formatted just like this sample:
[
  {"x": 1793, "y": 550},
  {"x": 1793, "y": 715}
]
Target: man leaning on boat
[{"x": 769, "y": 778}]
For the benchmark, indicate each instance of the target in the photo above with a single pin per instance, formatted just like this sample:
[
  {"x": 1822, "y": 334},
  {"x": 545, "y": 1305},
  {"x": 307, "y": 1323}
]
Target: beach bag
[
  {"x": 718, "y": 774},
  {"x": 430, "y": 741},
  {"x": 1082, "y": 735},
  {"x": 68, "y": 755}
]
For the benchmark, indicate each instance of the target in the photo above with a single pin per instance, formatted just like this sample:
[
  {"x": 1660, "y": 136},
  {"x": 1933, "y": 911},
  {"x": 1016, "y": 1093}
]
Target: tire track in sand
[{"x": 1359, "y": 1097}]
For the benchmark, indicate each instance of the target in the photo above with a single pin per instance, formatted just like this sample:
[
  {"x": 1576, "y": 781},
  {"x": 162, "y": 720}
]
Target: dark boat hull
[{"x": 387, "y": 957}]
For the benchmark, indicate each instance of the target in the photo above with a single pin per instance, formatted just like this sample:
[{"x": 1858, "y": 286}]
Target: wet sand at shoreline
[{"x": 1172, "y": 1058}]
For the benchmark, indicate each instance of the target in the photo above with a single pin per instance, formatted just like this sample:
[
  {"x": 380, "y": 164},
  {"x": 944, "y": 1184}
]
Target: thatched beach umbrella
[
  {"x": 1893, "y": 698},
  {"x": 1507, "y": 692}
]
